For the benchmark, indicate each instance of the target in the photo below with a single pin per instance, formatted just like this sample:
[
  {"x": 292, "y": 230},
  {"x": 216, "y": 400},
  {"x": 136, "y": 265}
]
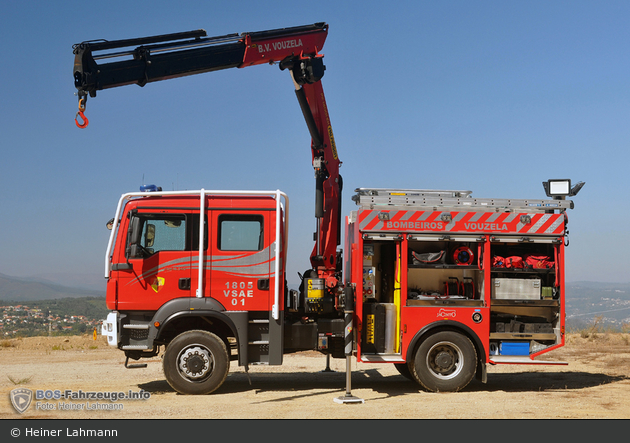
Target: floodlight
[
  {"x": 561, "y": 188},
  {"x": 575, "y": 189}
]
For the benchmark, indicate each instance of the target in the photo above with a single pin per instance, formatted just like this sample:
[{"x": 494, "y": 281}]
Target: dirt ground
[{"x": 594, "y": 385}]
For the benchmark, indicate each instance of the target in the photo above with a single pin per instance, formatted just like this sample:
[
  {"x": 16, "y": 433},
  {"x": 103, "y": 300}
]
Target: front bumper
[{"x": 109, "y": 329}]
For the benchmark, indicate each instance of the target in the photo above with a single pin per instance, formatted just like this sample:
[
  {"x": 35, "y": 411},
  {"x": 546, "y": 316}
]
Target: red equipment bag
[
  {"x": 498, "y": 262},
  {"x": 539, "y": 261},
  {"x": 514, "y": 262}
]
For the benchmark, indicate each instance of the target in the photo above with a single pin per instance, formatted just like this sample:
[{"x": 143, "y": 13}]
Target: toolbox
[
  {"x": 516, "y": 289},
  {"x": 514, "y": 348}
]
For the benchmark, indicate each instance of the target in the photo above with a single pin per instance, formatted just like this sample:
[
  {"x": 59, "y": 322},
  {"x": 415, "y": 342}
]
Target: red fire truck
[{"x": 438, "y": 283}]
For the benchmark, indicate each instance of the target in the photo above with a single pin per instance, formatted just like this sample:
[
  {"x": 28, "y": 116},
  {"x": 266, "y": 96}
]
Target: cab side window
[
  {"x": 241, "y": 232},
  {"x": 152, "y": 233}
]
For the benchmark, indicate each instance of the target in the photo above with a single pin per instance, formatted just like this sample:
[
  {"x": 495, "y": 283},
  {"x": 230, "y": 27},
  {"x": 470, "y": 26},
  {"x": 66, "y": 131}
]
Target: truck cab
[{"x": 209, "y": 265}]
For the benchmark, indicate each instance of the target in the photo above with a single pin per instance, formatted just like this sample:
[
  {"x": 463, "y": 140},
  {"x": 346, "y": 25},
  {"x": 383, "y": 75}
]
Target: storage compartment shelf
[
  {"x": 445, "y": 302},
  {"x": 444, "y": 266},
  {"x": 526, "y": 311},
  {"x": 517, "y": 359},
  {"x": 522, "y": 335},
  {"x": 391, "y": 358},
  {"x": 541, "y": 302},
  {"x": 522, "y": 271}
]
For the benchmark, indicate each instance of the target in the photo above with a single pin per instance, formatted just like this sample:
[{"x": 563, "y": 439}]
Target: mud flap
[{"x": 482, "y": 373}]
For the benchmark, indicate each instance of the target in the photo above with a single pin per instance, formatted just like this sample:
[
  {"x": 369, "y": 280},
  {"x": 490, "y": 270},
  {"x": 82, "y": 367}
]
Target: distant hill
[
  {"x": 609, "y": 303},
  {"x": 25, "y": 289},
  {"x": 91, "y": 281}
]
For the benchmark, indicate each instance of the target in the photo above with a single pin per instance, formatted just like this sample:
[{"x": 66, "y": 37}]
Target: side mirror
[{"x": 133, "y": 237}]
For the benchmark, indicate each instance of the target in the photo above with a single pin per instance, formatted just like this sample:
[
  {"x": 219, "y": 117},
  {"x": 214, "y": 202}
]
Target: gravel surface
[{"x": 595, "y": 384}]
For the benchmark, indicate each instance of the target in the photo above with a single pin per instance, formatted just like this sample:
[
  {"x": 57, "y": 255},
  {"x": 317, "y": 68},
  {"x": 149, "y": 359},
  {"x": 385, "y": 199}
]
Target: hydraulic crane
[{"x": 102, "y": 64}]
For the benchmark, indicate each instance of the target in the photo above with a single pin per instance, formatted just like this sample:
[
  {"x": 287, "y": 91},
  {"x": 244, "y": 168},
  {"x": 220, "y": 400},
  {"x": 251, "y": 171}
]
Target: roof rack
[{"x": 370, "y": 198}]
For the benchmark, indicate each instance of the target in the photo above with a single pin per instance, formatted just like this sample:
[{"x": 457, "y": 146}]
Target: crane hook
[{"x": 84, "y": 120}]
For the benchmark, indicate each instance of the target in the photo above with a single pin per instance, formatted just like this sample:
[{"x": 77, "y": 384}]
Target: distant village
[{"x": 21, "y": 320}]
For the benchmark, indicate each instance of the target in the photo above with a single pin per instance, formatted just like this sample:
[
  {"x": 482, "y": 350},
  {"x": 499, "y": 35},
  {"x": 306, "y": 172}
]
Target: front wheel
[
  {"x": 445, "y": 361},
  {"x": 196, "y": 362}
]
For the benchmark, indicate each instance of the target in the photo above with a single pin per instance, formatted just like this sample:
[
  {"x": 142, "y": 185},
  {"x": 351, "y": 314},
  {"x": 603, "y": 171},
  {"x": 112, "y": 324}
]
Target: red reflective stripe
[
  {"x": 466, "y": 217},
  {"x": 433, "y": 216},
  {"x": 546, "y": 225},
  {"x": 416, "y": 215},
  {"x": 374, "y": 221},
  {"x": 560, "y": 220},
  {"x": 502, "y": 217},
  {"x": 526, "y": 228},
  {"x": 459, "y": 225},
  {"x": 363, "y": 215},
  {"x": 398, "y": 215}
]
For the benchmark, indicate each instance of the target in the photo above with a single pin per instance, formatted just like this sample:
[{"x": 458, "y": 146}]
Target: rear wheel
[
  {"x": 445, "y": 361},
  {"x": 196, "y": 362}
]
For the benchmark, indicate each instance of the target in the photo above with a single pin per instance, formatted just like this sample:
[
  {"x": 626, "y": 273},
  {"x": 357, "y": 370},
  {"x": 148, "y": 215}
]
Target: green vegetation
[
  {"x": 91, "y": 307},
  {"x": 64, "y": 316}
]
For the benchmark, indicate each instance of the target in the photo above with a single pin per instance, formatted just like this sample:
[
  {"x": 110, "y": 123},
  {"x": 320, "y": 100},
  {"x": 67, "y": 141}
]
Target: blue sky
[{"x": 490, "y": 96}]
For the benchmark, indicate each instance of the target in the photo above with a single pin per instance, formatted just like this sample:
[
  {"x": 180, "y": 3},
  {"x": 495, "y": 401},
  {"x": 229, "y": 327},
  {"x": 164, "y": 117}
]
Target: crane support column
[{"x": 349, "y": 336}]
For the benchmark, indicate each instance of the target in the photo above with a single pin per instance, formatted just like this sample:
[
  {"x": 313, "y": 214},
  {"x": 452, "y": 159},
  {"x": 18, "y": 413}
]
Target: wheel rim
[
  {"x": 445, "y": 360},
  {"x": 195, "y": 363}
]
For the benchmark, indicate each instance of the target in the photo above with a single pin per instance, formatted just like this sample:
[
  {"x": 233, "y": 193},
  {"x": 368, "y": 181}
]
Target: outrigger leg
[{"x": 349, "y": 313}]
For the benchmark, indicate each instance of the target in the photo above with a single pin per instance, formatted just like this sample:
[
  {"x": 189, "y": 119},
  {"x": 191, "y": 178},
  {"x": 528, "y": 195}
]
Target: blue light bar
[{"x": 150, "y": 188}]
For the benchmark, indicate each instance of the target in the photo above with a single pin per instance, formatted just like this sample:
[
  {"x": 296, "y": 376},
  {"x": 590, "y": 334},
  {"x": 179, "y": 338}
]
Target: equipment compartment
[
  {"x": 525, "y": 300},
  {"x": 380, "y": 332},
  {"x": 444, "y": 272}
]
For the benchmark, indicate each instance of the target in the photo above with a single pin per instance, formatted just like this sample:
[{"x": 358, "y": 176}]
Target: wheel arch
[
  {"x": 211, "y": 321},
  {"x": 184, "y": 314},
  {"x": 449, "y": 325}
]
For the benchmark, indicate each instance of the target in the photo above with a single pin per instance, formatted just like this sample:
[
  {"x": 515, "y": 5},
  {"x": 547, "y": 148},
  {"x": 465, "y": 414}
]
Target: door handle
[
  {"x": 263, "y": 284},
  {"x": 184, "y": 284}
]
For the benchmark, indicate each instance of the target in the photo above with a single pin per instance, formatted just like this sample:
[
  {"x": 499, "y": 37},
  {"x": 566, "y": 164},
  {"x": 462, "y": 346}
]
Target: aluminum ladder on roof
[{"x": 370, "y": 198}]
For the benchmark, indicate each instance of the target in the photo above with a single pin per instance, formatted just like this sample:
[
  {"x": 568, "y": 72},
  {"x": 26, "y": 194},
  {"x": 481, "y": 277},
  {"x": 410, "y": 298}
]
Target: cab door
[
  {"x": 155, "y": 262},
  {"x": 241, "y": 253}
]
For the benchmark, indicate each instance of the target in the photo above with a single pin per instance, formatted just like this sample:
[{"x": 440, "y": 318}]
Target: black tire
[
  {"x": 196, "y": 363},
  {"x": 403, "y": 369},
  {"x": 444, "y": 362}
]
